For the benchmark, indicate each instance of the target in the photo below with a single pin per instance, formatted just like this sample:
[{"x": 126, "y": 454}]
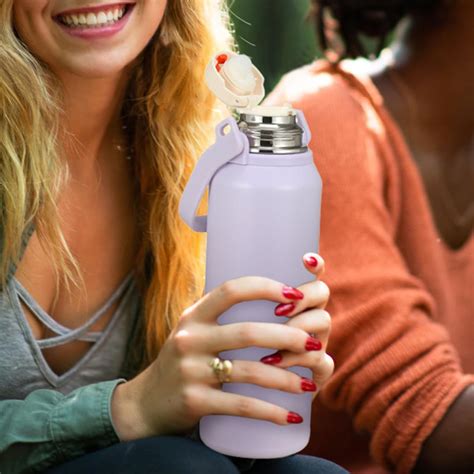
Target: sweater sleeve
[
  {"x": 48, "y": 428},
  {"x": 397, "y": 372}
]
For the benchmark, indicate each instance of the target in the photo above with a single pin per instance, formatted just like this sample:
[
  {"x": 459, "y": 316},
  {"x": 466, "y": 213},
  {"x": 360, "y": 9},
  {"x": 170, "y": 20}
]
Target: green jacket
[{"x": 48, "y": 428}]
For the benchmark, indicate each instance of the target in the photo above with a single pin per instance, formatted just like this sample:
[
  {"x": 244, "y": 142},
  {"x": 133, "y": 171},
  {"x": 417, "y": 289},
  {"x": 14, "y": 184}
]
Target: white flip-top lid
[{"x": 239, "y": 84}]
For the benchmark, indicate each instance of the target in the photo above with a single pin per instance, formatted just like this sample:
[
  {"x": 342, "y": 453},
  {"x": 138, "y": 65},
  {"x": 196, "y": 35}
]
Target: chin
[{"x": 98, "y": 66}]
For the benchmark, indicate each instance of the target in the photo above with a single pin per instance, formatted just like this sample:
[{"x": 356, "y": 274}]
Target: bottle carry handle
[
  {"x": 230, "y": 143},
  {"x": 300, "y": 118}
]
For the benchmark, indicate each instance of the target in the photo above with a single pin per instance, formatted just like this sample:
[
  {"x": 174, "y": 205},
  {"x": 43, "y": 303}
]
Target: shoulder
[
  {"x": 319, "y": 86},
  {"x": 339, "y": 112}
]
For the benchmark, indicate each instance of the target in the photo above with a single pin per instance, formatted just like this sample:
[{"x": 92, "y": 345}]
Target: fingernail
[
  {"x": 292, "y": 293},
  {"x": 284, "y": 308},
  {"x": 308, "y": 385},
  {"x": 293, "y": 417},
  {"x": 313, "y": 344},
  {"x": 312, "y": 261},
  {"x": 272, "y": 358}
]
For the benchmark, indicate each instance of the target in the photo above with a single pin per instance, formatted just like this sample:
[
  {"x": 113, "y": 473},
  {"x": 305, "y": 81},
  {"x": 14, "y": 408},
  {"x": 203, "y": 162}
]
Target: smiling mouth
[{"x": 99, "y": 18}]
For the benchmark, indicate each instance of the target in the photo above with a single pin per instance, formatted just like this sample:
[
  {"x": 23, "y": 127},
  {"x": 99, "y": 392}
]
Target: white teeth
[
  {"x": 101, "y": 17},
  {"x": 91, "y": 20}
]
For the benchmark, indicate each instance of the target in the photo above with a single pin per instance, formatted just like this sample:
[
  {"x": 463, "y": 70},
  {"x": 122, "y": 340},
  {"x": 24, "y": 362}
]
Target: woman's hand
[
  {"x": 308, "y": 314},
  {"x": 179, "y": 387}
]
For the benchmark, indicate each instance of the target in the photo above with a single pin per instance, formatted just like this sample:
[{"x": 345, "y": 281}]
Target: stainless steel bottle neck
[{"x": 278, "y": 135}]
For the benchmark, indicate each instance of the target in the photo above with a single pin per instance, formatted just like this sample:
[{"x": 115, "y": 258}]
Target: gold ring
[{"x": 222, "y": 368}]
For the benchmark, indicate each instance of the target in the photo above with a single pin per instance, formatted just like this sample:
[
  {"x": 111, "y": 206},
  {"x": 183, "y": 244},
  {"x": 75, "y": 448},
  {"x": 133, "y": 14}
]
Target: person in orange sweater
[{"x": 394, "y": 143}]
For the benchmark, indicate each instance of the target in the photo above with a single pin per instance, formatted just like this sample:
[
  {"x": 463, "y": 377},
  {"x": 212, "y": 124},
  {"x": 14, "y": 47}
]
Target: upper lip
[{"x": 92, "y": 9}]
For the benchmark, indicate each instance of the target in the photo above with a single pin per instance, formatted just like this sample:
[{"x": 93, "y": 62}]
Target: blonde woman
[{"x": 105, "y": 337}]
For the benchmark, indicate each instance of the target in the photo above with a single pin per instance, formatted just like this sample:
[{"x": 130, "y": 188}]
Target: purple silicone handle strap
[
  {"x": 227, "y": 147},
  {"x": 304, "y": 125}
]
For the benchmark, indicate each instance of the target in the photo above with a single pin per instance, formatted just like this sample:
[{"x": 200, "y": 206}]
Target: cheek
[
  {"x": 27, "y": 12},
  {"x": 151, "y": 16},
  {"x": 28, "y": 18}
]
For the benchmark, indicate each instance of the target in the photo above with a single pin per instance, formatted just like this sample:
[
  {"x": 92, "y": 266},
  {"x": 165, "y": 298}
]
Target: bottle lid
[{"x": 235, "y": 80}]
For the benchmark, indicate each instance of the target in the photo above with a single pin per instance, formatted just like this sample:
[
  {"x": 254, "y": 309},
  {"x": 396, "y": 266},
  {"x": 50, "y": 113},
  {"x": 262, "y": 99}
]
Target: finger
[
  {"x": 213, "y": 304},
  {"x": 323, "y": 373},
  {"x": 316, "y": 295},
  {"x": 314, "y": 263},
  {"x": 197, "y": 369},
  {"x": 316, "y": 322},
  {"x": 223, "y": 403},
  {"x": 321, "y": 364},
  {"x": 313, "y": 321},
  {"x": 265, "y": 375},
  {"x": 323, "y": 370},
  {"x": 249, "y": 334}
]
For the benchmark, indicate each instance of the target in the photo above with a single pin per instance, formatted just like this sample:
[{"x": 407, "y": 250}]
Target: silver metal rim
[{"x": 278, "y": 135}]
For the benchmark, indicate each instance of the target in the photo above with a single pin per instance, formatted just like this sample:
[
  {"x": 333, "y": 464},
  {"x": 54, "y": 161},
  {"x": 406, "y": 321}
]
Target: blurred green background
[
  {"x": 279, "y": 35},
  {"x": 275, "y": 34}
]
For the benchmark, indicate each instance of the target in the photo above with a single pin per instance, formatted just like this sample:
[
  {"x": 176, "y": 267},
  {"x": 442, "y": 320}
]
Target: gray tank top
[{"x": 23, "y": 368}]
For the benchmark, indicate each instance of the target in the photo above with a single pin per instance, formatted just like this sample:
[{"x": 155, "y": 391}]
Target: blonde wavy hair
[{"x": 170, "y": 116}]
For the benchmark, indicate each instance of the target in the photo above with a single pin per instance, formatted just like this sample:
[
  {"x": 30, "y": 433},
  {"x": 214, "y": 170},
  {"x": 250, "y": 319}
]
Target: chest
[
  {"x": 99, "y": 226},
  {"x": 448, "y": 178},
  {"x": 450, "y": 192}
]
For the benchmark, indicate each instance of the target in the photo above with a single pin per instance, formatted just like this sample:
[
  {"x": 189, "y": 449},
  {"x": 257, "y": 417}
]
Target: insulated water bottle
[{"x": 263, "y": 216}]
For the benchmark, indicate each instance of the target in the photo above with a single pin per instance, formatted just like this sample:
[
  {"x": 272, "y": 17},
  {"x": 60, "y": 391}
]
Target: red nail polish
[
  {"x": 272, "y": 358},
  {"x": 308, "y": 385},
  {"x": 312, "y": 261},
  {"x": 313, "y": 344},
  {"x": 284, "y": 308},
  {"x": 293, "y": 417},
  {"x": 292, "y": 293}
]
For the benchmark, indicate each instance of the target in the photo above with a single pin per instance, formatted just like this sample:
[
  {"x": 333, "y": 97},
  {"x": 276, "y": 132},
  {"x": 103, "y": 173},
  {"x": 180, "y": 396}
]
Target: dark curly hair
[{"x": 348, "y": 19}]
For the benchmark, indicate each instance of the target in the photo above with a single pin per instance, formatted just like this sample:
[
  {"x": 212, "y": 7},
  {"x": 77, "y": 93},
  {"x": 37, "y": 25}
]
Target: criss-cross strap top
[
  {"x": 64, "y": 334},
  {"x": 23, "y": 367}
]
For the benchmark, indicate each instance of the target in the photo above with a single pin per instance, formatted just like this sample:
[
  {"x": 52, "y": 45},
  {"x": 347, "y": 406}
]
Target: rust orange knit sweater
[{"x": 402, "y": 302}]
